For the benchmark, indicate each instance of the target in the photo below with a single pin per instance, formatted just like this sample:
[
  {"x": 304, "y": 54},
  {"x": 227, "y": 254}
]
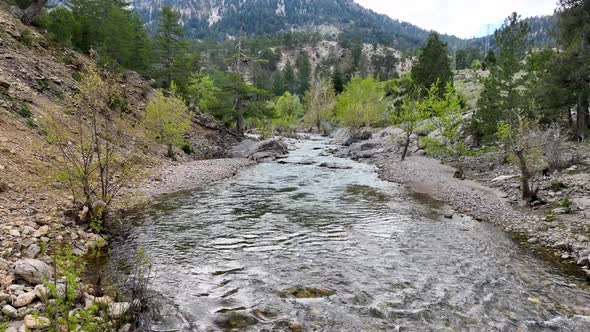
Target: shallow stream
[{"x": 292, "y": 245}]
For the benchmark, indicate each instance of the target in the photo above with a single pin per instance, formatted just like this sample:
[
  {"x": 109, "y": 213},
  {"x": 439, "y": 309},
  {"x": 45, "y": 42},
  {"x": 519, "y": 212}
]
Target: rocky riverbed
[
  {"x": 31, "y": 227},
  {"x": 486, "y": 194}
]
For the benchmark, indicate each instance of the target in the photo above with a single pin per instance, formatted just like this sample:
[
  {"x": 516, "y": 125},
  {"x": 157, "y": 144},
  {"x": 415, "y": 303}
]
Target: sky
[{"x": 462, "y": 18}]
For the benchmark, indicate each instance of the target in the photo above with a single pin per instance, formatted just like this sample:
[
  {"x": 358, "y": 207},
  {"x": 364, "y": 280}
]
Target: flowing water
[{"x": 293, "y": 245}]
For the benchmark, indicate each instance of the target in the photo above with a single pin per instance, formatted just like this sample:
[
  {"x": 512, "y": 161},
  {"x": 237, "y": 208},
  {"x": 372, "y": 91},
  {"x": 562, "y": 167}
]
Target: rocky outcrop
[{"x": 269, "y": 149}]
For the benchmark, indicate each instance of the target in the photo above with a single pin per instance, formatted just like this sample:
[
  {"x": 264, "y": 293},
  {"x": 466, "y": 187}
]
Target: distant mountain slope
[
  {"x": 220, "y": 18},
  {"x": 541, "y": 33}
]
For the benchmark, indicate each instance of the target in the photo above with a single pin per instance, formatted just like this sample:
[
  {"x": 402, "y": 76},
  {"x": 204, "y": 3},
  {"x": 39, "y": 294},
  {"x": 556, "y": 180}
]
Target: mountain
[
  {"x": 541, "y": 33},
  {"x": 218, "y": 19}
]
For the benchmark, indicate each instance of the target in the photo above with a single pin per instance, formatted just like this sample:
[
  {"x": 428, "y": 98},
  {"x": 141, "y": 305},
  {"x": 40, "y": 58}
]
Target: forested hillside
[{"x": 217, "y": 19}]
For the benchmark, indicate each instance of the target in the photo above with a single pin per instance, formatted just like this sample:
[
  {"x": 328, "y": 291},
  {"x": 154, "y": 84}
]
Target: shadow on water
[{"x": 286, "y": 247}]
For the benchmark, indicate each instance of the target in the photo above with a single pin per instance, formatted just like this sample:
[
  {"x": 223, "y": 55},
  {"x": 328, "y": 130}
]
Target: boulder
[
  {"x": 259, "y": 150},
  {"x": 32, "y": 271},
  {"x": 36, "y": 322}
]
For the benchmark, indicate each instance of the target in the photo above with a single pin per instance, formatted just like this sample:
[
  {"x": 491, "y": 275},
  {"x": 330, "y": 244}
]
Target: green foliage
[
  {"x": 433, "y": 65},
  {"x": 446, "y": 118},
  {"x": 90, "y": 164},
  {"x": 504, "y": 89},
  {"x": 289, "y": 110},
  {"x": 410, "y": 113},
  {"x": 108, "y": 27},
  {"x": 464, "y": 58},
  {"x": 26, "y": 37},
  {"x": 167, "y": 120},
  {"x": 361, "y": 103},
  {"x": 203, "y": 91},
  {"x": 61, "y": 25},
  {"x": 63, "y": 310},
  {"x": 320, "y": 102},
  {"x": 566, "y": 203},
  {"x": 233, "y": 100},
  {"x": 25, "y": 112}
]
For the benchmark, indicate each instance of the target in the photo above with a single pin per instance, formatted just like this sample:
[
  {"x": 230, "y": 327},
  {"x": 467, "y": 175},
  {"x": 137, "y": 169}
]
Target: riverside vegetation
[{"x": 107, "y": 104}]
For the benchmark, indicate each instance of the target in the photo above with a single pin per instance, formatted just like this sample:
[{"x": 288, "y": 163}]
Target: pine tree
[
  {"x": 433, "y": 65},
  {"x": 303, "y": 73},
  {"x": 502, "y": 96},
  {"x": 574, "y": 37},
  {"x": 170, "y": 43}
]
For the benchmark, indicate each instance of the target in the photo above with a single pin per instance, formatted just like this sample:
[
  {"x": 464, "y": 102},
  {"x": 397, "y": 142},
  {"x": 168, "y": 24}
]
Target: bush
[
  {"x": 361, "y": 103},
  {"x": 567, "y": 204},
  {"x": 25, "y": 112},
  {"x": 26, "y": 37}
]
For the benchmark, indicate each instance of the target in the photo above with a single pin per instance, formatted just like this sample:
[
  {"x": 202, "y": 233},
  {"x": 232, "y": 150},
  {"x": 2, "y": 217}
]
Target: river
[{"x": 291, "y": 245}]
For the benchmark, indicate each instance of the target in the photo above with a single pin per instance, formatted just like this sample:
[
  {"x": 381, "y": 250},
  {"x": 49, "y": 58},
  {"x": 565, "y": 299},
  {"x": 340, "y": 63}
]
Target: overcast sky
[{"x": 463, "y": 18}]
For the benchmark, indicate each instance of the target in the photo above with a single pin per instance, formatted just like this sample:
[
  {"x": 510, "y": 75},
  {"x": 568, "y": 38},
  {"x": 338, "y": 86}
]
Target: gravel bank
[{"x": 192, "y": 175}]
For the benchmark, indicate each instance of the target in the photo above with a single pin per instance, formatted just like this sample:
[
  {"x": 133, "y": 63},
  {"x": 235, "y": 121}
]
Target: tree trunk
[
  {"x": 406, "y": 145},
  {"x": 582, "y": 118},
  {"x": 240, "y": 122},
  {"x": 31, "y": 13},
  {"x": 525, "y": 176},
  {"x": 170, "y": 152}
]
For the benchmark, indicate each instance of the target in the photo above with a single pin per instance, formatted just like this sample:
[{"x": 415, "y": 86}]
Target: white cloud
[{"x": 463, "y": 18}]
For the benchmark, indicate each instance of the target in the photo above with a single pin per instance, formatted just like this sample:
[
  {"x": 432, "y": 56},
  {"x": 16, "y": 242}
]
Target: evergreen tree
[
  {"x": 170, "y": 43},
  {"x": 572, "y": 69},
  {"x": 433, "y": 65},
  {"x": 503, "y": 95},
  {"x": 289, "y": 78},
  {"x": 303, "y": 73}
]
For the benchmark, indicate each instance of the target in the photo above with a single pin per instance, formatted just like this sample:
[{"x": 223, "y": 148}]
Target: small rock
[
  {"x": 118, "y": 309},
  {"x": 9, "y": 311},
  {"x": 4, "y": 264},
  {"x": 41, "y": 292},
  {"x": 560, "y": 211},
  {"x": 32, "y": 251},
  {"x": 533, "y": 240},
  {"x": 125, "y": 328},
  {"x": 38, "y": 322},
  {"x": 24, "y": 299}
]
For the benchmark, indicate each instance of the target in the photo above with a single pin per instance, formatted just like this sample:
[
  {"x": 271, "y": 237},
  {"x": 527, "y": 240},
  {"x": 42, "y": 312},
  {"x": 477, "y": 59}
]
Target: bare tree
[{"x": 92, "y": 163}]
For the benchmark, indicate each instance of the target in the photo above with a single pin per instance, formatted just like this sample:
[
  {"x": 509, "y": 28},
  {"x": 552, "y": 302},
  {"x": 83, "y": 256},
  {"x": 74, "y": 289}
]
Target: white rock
[
  {"x": 9, "y": 311},
  {"x": 118, "y": 309},
  {"x": 33, "y": 271},
  {"x": 24, "y": 299},
  {"x": 504, "y": 178},
  {"x": 39, "y": 322},
  {"x": 41, "y": 292}
]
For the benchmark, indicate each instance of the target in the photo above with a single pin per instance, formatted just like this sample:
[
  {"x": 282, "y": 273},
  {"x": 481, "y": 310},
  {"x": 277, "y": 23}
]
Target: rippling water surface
[{"x": 233, "y": 254}]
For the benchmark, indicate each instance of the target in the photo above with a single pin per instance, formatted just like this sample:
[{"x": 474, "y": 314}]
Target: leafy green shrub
[
  {"x": 25, "y": 112},
  {"x": 187, "y": 148},
  {"x": 567, "y": 204},
  {"x": 26, "y": 37}
]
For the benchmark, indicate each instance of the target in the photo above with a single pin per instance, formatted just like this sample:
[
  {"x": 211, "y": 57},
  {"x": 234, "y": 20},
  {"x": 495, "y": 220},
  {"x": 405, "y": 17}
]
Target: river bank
[{"x": 484, "y": 195}]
